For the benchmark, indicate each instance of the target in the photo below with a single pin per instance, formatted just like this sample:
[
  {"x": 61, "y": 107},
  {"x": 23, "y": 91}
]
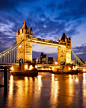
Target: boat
[{"x": 25, "y": 69}]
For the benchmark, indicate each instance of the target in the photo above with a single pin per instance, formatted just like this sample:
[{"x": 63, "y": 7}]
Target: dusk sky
[{"x": 49, "y": 19}]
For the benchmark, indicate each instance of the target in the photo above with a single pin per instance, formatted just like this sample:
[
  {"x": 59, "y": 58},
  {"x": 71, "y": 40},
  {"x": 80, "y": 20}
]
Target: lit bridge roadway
[
  {"x": 2, "y": 65},
  {"x": 44, "y": 42},
  {"x": 49, "y": 66}
]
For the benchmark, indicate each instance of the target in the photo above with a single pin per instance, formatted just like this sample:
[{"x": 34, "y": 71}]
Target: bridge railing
[
  {"x": 80, "y": 62},
  {"x": 9, "y": 55}
]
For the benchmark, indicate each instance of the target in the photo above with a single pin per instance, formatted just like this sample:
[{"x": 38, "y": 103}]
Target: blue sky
[{"x": 49, "y": 19}]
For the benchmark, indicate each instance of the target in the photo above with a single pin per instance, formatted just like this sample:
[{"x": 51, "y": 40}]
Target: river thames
[{"x": 47, "y": 90}]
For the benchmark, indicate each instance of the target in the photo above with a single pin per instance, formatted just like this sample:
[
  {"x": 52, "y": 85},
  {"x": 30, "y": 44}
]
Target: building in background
[
  {"x": 34, "y": 60},
  {"x": 43, "y": 58},
  {"x": 50, "y": 60}
]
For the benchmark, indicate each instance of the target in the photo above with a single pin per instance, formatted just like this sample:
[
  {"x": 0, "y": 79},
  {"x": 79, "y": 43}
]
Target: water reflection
[
  {"x": 10, "y": 93},
  {"x": 22, "y": 90},
  {"x": 54, "y": 90},
  {"x": 26, "y": 85},
  {"x": 45, "y": 91},
  {"x": 11, "y": 85},
  {"x": 84, "y": 89},
  {"x": 70, "y": 85}
]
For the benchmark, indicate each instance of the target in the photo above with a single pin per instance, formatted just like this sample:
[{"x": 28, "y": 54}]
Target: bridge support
[
  {"x": 24, "y": 51},
  {"x": 64, "y": 52},
  {"x": 5, "y": 76}
]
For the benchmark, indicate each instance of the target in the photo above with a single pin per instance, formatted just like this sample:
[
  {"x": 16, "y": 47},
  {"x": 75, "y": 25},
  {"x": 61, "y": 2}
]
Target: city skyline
[{"x": 49, "y": 20}]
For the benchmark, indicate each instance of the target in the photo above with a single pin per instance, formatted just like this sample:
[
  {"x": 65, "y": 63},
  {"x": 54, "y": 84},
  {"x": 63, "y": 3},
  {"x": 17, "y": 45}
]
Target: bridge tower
[
  {"x": 24, "y": 51},
  {"x": 64, "y": 52}
]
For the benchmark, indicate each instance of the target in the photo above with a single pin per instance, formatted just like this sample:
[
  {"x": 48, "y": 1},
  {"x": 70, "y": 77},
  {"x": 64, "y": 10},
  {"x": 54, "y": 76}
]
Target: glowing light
[
  {"x": 20, "y": 46},
  {"x": 56, "y": 63},
  {"x": 39, "y": 78},
  {"x": 26, "y": 79},
  {"x": 52, "y": 77},
  {"x": 69, "y": 68},
  {"x": 31, "y": 67},
  {"x": 11, "y": 68},
  {"x": 26, "y": 67},
  {"x": 76, "y": 79},
  {"x": 84, "y": 69},
  {"x": 39, "y": 82},
  {"x": 54, "y": 90},
  {"x": 76, "y": 67},
  {"x": 70, "y": 79},
  {"x": 35, "y": 66},
  {"x": 52, "y": 68},
  {"x": 37, "y": 60},
  {"x": 11, "y": 84}
]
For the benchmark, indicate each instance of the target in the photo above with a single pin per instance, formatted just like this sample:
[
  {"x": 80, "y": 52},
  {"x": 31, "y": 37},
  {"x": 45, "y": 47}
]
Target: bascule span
[{"x": 49, "y": 43}]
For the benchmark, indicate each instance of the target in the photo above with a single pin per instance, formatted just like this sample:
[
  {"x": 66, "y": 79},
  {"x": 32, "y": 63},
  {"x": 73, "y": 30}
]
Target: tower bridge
[{"x": 24, "y": 51}]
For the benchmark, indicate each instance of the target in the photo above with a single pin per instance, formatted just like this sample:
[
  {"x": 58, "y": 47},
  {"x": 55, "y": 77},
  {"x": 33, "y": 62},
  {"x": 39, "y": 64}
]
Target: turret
[
  {"x": 31, "y": 31},
  {"x": 24, "y": 25},
  {"x": 17, "y": 33},
  {"x": 64, "y": 38},
  {"x": 58, "y": 39}
]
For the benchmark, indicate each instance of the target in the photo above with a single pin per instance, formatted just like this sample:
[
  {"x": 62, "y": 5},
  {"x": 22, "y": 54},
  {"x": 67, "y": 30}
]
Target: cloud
[
  {"x": 11, "y": 4},
  {"x": 72, "y": 9},
  {"x": 48, "y": 21},
  {"x": 80, "y": 51},
  {"x": 38, "y": 9},
  {"x": 51, "y": 6}
]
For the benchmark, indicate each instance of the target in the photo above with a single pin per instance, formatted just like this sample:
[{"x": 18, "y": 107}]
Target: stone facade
[
  {"x": 24, "y": 51},
  {"x": 64, "y": 52}
]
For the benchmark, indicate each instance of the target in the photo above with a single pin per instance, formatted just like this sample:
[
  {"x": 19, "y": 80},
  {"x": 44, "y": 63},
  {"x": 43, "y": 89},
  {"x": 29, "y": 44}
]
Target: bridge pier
[{"x": 5, "y": 76}]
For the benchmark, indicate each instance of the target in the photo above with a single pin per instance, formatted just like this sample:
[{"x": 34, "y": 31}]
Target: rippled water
[{"x": 44, "y": 91}]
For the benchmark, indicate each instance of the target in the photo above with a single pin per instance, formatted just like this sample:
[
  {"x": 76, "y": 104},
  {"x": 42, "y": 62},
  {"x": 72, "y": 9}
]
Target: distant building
[
  {"x": 50, "y": 60},
  {"x": 38, "y": 61},
  {"x": 43, "y": 58},
  {"x": 34, "y": 60}
]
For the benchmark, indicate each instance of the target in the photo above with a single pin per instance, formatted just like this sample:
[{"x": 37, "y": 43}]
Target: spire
[
  {"x": 63, "y": 37},
  {"x": 58, "y": 39},
  {"x": 24, "y": 25},
  {"x": 17, "y": 30},
  {"x": 24, "y": 21},
  {"x": 69, "y": 37},
  {"x": 31, "y": 31},
  {"x": 31, "y": 28}
]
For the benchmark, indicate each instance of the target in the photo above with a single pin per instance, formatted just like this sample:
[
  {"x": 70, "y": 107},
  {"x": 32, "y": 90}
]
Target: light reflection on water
[
  {"x": 54, "y": 90},
  {"x": 44, "y": 91},
  {"x": 84, "y": 88}
]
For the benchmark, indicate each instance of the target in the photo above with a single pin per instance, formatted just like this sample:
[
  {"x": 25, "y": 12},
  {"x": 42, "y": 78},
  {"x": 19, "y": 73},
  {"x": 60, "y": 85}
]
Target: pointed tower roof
[
  {"x": 63, "y": 37},
  {"x": 58, "y": 39},
  {"x": 24, "y": 25},
  {"x": 17, "y": 30},
  {"x": 31, "y": 28},
  {"x": 69, "y": 37}
]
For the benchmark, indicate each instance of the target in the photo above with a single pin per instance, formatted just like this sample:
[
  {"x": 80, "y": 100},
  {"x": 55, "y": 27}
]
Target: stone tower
[
  {"x": 24, "y": 50},
  {"x": 64, "y": 52}
]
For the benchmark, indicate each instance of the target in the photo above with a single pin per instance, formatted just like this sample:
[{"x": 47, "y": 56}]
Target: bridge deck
[
  {"x": 8, "y": 64},
  {"x": 44, "y": 42}
]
